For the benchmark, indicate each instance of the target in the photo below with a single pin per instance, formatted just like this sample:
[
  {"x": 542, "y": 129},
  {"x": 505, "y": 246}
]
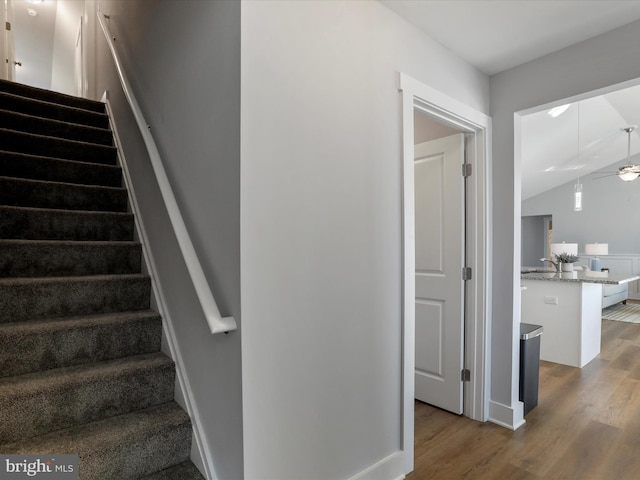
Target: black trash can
[{"x": 529, "y": 364}]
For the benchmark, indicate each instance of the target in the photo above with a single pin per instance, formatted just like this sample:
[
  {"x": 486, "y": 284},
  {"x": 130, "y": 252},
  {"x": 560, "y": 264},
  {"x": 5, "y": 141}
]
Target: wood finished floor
[{"x": 586, "y": 425}]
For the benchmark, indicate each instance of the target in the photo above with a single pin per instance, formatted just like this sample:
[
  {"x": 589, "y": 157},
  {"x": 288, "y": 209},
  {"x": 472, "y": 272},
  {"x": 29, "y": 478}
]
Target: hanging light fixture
[
  {"x": 577, "y": 196},
  {"x": 629, "y": 171},
  {"x": 577, "y": 188}
]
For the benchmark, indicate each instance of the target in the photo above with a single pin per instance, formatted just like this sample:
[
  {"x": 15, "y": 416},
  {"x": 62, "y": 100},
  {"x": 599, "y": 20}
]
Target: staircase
[{"x": 80, "y": 362}]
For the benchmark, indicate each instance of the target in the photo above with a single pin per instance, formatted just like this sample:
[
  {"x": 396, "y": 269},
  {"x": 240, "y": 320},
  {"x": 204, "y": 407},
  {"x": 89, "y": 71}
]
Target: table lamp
[{"x": 596, "y": 249}]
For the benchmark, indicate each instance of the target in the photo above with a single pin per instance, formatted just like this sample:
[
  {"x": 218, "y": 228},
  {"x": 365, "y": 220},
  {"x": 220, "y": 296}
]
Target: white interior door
[
  {"x": 8, "y": 45},
  {"x": 439, "y": 239},
  {"x": 11, "y": 46}
]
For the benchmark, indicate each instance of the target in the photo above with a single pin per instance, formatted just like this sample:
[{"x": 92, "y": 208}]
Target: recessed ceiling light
[
  {"x": 32, "y": 12},
  {"x": 557, "y": 111},
  {"x": 35, "y": 2}
]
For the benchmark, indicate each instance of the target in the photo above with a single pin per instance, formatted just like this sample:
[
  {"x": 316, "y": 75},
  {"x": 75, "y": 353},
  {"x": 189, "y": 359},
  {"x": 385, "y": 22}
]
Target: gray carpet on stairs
[{"x": 81, "y": 370}]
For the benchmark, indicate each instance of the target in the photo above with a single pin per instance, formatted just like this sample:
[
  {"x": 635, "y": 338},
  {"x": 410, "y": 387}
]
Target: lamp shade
[
  {"x": 570, "y": 248},
  {"x": 596, "y": 249}
]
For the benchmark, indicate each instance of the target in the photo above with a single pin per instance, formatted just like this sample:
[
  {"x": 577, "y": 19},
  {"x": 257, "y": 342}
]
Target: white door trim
[{"x": 416, "y": 95}]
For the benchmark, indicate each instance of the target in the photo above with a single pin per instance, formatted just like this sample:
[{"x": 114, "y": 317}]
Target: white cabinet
[{"x": 570, "y": 314}]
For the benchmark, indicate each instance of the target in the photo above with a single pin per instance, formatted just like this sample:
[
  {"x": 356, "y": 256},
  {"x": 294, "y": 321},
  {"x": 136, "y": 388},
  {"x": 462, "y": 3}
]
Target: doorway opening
[
  {"x": 590, "y": 143},
  {"x": 48, "y": 40},
  {"x": 417, "y": 97}
]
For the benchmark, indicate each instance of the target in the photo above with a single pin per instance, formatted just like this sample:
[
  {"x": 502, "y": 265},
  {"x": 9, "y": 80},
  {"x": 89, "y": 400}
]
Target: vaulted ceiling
[{"x": 495, "y": 35}]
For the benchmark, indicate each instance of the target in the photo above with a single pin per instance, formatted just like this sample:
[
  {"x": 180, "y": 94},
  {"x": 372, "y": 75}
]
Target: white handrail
[{"x": 217, "y": 323}]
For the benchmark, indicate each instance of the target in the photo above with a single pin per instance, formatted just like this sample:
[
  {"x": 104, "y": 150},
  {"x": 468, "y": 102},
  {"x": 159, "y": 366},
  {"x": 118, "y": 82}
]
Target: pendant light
[
  {"x": 577, "y": 196},
  {"x": 629, "y": 172},
  {"x": 577, "y": 188}
]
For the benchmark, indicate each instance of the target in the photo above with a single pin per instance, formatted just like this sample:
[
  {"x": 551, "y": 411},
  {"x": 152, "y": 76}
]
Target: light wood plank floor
[{"x": 586, "y": 425}]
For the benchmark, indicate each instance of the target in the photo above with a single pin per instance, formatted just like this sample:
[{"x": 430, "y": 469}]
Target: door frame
[
  {"x": 477, "y": 125},
  {"x": 7, "y": 47}
]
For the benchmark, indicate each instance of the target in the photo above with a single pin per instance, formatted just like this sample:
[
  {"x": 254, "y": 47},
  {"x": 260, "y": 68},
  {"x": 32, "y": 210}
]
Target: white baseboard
[
  {"x": 389, "y": 468},
  {"x": 506, "y": 416}
]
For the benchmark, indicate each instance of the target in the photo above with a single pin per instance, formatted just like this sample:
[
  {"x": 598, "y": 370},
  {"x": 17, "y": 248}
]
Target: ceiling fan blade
[{"x": 612, "y": 174}]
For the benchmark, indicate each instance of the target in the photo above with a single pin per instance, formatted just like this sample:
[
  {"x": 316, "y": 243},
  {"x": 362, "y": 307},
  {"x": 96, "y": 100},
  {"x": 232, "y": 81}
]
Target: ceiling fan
[{"x": 629, "y": 171}]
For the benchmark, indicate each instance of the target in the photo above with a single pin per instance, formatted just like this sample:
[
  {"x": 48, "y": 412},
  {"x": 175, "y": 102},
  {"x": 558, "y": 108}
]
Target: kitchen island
[{"x": 569, "y": 307}]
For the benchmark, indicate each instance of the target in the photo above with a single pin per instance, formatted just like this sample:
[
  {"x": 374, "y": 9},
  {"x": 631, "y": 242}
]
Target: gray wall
[
  {"x": 183, "y": 59},
  {"x": 321, "y": 231},
  {"x": 533, "y": 245},
  {"x": 610, "y": 212},
  {"x": 596, "y": 63}
]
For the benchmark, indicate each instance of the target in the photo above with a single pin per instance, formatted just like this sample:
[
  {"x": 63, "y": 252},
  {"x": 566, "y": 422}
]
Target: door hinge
[
  {"x": 465, "y": 375},
  {"x": 466, "y": 273},
  {"x": 466, "y": 170},
  {"x": 7, "y": 25}
]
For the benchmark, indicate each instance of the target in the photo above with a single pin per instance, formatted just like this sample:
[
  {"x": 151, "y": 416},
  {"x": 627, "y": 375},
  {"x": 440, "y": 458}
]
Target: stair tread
[
  {"x": 54, "y": 120},
  {"x": 54, "y": 194},
  {"x": 69, "y": 161},
  {"x": 72, "y": 279},
  {"x": 29, "y": 383},
  {"x": 36, "y": 223},
  {"x": 50, "y": 110},
  {"x": 58, "y": 139},
  {"x": 98, "y": 436},
  {"x": 182, "y": 471},
  {"x": 123, "y": 447},
  {"x": 65, "y": 210},
  {"x": 53, "y": 258},
  {"x": 30, "y": 298},
  {"x": 54, "y": 128},
  {"x": 36, "y": 94},
  {"x": 32, "y": 143},
  {"x": 71, "y": 243},
  {"x": 38, "y": 167},
  {"x": 43, "y": 344},
  {"x": 62, "y": 323},
  {"x": 68, "y": 109},
  {"x": 35, "y": 403},
  {"x": 66, "y": 184}
]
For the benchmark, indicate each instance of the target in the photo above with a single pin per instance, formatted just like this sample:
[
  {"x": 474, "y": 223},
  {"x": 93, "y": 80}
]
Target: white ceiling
[
  {"x": 495, "y": 35},
  {"x": 586, "y": 138}
]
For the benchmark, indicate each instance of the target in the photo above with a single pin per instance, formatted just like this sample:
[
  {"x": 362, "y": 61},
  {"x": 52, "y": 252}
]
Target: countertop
[{"x": 584, "y": 276}]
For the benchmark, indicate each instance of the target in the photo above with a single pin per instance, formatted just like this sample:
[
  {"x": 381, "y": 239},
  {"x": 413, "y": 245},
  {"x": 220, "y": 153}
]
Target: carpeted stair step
[
  {"x": 36, "y": 298},
  {"x": 30, "y": 143},
  {"x": 54, "y": 111},
  {"x": 19, "y": 192},
  {"x": 49, "y": 96},
  {"x": 81, "y": 370},
  {"x": 120, "y": 448},
  {"x": 52, "y": 224},
  {"x": 46, "y": 258},
  {"x": 37, "y": 345},
  {"x": 35, "y": 167},
  {"x": 54, "y": 128},
  {"x": 43, "y": 402},
  {"x": 183, "y": 471}
]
